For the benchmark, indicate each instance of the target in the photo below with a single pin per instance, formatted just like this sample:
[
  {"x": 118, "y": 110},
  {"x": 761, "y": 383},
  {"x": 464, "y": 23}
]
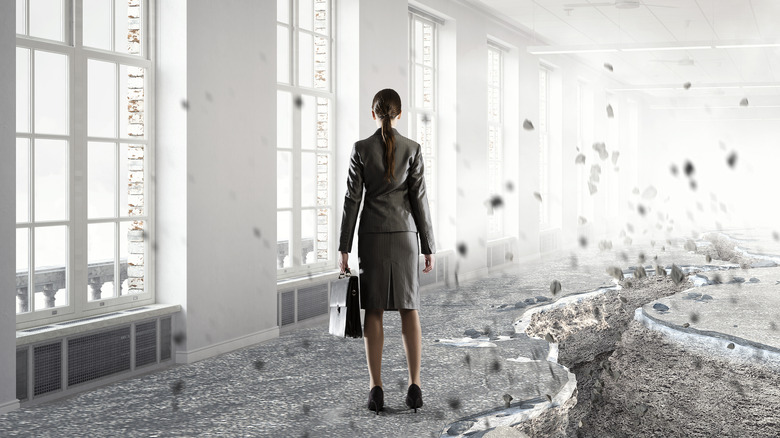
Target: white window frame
[
  {"x": 430, "y": 160},
  {"x": 612, "y": 180},
  {"x": 297, "y": 267},
  {"x": 496, "y": 228},
  {"x": 544, "y": 149},
  {"x": 79, "y": 305}
]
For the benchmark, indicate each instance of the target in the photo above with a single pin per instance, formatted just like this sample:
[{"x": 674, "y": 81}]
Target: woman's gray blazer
[{"x": 398, "y": 205}]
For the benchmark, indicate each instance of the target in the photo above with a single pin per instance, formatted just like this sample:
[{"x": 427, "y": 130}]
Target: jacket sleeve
[
  {"x": 418, "y": 198},
  {"x": 351, "y": 201}
]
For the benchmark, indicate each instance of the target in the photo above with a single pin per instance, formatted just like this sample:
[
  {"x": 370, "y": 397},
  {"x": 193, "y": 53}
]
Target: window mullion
[
  {"x": 78, "y": 177},
  {"x": 31, "y": 197}
]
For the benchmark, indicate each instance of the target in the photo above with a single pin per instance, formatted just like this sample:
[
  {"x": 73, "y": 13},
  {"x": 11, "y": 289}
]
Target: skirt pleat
[{"x": 389, "y": 270}]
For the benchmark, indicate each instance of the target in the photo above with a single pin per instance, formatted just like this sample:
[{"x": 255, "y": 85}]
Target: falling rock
[
  {"x": 690, "y": 245},
  {"x": 555, "y": 287},
  {"x": 615, "y": 272},
  {"x": 615, "y": 155},
  {"x": 582, "y": 220},
  {"x": 507, "y": 399},
  {"x": 520, "y": 305},
  {"x": 592, "y": 187},
  {"x": 640, "y": 273},
  {"x": 708, "y": 258},
  {"x": 473, "y": 333},
  {"x": 743, "y": 102},
  {"x": 549, "y": 338},
  {"x": 530, "y": 301},
  {"x": 730, "y": 346},
  {"x": 580, "y": 159},
  {"x": 677, "y": 274},
  {"x": 610, "y": 112},
  {"x": 608, "y": 66},
  {"x": 660, "y": 307},
  {"x": 538, "y": 196},
  {"x": 687, "y": 85},
  {"x": 660, "y": 270},
  {"x": 527, "y": 125}
]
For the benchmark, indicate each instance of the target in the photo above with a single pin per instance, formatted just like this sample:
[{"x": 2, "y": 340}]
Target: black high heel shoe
[
  {"x": 414, "y": 397},
  {"x": 376, "y": 399}
]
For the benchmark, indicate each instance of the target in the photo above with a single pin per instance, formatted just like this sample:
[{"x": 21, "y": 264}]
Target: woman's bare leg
[
  {"x": 374, "y": 336},
  {"x": 410, "y": 328}
]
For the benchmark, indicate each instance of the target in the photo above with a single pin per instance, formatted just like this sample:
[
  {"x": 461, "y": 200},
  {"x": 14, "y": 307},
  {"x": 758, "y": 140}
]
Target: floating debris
[
  {"x": 609, "y": 67},
  {"x": 555, "y": 287},
  {"x": 615, "y": 155},
  {"x": 507, "y": 399},
  {"x": 743, "y": 102},
  {"x": 732, "y": 160},
  {"x": 580, "y": 159},
  {"x": 640, "y": 273},
  {"x": 689, "y": 169},
  {"x": 538, "y": 196},
  {"x": 610, "y": 112},
  {"x": 677, "y": 274},
  {"x": 730, "y": 346},
  {"x": 615, "y": 272},
  {"x": 592, "y": 187},
  {"x": 496, "y": 201},
  {"x": 527, "y": 125},
  {"x": 708, "y": 258},
  {"x": 659, "y": 270},
  {"x": 673, "y": 169},
  {"x": 462, "y": 249},
  {"x": 687, "y": 85},
  {"x": 601, "y": 148},
  {"x": 583, "y": 241}
]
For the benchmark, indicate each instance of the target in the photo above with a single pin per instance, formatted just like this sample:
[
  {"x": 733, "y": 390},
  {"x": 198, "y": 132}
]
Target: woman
[{"x": 395, "y": 212}]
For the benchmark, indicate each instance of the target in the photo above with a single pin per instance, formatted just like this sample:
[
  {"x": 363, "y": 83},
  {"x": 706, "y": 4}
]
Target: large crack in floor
[{"x": 632, "y": 381}]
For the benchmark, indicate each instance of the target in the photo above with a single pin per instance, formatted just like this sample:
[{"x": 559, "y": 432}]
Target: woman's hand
[
  {"x": 429, "y": 262},
  {"x": 344, "y": 262}
]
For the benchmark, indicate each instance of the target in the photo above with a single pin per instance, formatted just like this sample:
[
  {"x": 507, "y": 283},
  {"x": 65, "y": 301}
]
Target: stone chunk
[{"x": 660, "y": 307}]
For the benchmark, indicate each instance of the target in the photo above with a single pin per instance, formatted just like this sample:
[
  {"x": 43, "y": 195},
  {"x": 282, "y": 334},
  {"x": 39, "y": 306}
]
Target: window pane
[
  {"x": 427, "y": 87},
  {"x": 283, "y": 234},
  {"x": 427, "y": 44},
  {"x": 305, "y": 14},
  {"x": 418, "y": 42},
  {"x": 282, "y": 54},
  {"x": 22, "y": 90},
  {"x": 132, "y": 255},
  {"x": 21, "y": 17},
  {"x": 308, "y": 180},
  {"x": 131, "y": 180},
  {"x": 284, "y": 179},
  {"x": 22, "y": 270},
  {"x": 97, "y": 24},
  {"x": 418, "y": 88},
  {"x": 51, "y": 180},
  {"x": 323, "y": 219},
  {"x": 101, "y": 103},
  {"x": 283, "y": 11},
  {"x": 308, "y": 236},
  {"x": 323, "y": 195},
  {"x": 284, "y": 119},
  {"x": 101, "y": 246},
  {"x": 46, "y": 19},
  {"x": 321, "y": 50},
  {"x": 132, "y": 117},
  {"x": 323, "y": 123},
  {"x": 321, "y": 18},
  {"x": 308, "y": 122},
  {"x": 305, "y": 68},
  {"x": 22, "y": 180},
  {"x": 51, "y": 93},
  {"x": 51, "y": 257},
  {"x": 101, "y": 180},
  {"x": 127, "y": 27}
]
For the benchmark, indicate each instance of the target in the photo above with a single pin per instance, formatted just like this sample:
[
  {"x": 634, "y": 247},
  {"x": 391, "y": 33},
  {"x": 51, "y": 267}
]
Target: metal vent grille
[
  {"x": 93, "y": 356},
  {"x": 47, "y": 362},
  {"x": 165, "y": 339},
  {"x": 145, "y": 343},
  {"x": 312, "y": 301},
  {"x": 21, "y": 374},
  {"x": 288, "y": 307}
]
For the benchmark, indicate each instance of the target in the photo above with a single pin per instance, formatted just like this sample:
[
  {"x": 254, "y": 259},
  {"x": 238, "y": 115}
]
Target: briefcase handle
[{"x": 345, "y": 274}]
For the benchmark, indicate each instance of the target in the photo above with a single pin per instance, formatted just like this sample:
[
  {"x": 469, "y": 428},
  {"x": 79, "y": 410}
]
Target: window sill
[
  {"x": 307, "y": 279},
  {"x": 69, "y": 328}
]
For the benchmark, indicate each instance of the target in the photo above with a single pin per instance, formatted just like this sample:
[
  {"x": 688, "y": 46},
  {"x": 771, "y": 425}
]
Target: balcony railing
[
  {"x": 283, "y": 250},
  {"x": 50, "y": 280}
]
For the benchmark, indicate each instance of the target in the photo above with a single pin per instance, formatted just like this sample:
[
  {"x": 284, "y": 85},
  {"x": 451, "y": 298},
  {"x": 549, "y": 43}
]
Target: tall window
[
  {"x": 495, "y": 138},
  {"x": 612, "y": 183},
  {"x": 305, "y": 100},
  {"x": 584, "y": 143},
  {"x": 544, "y": 147},
  {"x": 423, "y": 119},
  {"x": 84, "y": 102}
]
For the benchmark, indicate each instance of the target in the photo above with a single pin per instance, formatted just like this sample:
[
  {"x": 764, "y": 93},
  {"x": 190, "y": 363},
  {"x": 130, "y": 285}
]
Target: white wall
[
  {"x": 217, "y": 189},
  {"x": 8, "y": 400}
]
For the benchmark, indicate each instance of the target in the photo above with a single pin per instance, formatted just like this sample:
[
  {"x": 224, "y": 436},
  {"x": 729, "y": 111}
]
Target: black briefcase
[{"x": 345, "y": 307}]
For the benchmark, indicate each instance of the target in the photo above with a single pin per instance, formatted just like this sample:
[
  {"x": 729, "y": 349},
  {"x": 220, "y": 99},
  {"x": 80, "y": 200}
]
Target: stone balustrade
[{"x": 283, "y": 250}]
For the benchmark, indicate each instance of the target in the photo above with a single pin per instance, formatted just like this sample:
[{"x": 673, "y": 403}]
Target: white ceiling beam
[{"x": 647, "y": 47}]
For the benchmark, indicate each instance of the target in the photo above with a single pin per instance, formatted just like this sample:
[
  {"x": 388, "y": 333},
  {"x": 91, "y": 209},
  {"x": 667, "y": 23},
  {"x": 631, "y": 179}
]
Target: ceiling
[{"x": 662, "y": 22}]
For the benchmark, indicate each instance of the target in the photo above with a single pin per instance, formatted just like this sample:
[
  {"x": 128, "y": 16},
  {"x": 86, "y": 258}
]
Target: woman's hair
[{"x": 387, "y": 106}]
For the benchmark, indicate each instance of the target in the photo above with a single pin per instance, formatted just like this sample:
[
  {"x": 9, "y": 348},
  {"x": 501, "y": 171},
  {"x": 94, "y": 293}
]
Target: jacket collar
[{"x": 379, "y": 132}]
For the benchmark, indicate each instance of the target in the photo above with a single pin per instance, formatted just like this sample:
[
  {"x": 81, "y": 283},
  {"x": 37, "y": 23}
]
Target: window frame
[
  {"x": 544, "y": 148},
  {"x": 496, "y": 228},
  {"x": 293, "y": 87},
  {"x": 77, "y": 222},
  {"x": 430, "y": 160}
]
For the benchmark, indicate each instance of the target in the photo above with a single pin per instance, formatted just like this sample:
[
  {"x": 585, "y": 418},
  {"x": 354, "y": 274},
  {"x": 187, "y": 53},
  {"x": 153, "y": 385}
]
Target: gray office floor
[{"x": 308, "y": 383}]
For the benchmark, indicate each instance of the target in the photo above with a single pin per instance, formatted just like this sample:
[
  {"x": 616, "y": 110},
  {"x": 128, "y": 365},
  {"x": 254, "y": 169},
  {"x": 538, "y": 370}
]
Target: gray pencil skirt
[{"x": 389, "y": 270}]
